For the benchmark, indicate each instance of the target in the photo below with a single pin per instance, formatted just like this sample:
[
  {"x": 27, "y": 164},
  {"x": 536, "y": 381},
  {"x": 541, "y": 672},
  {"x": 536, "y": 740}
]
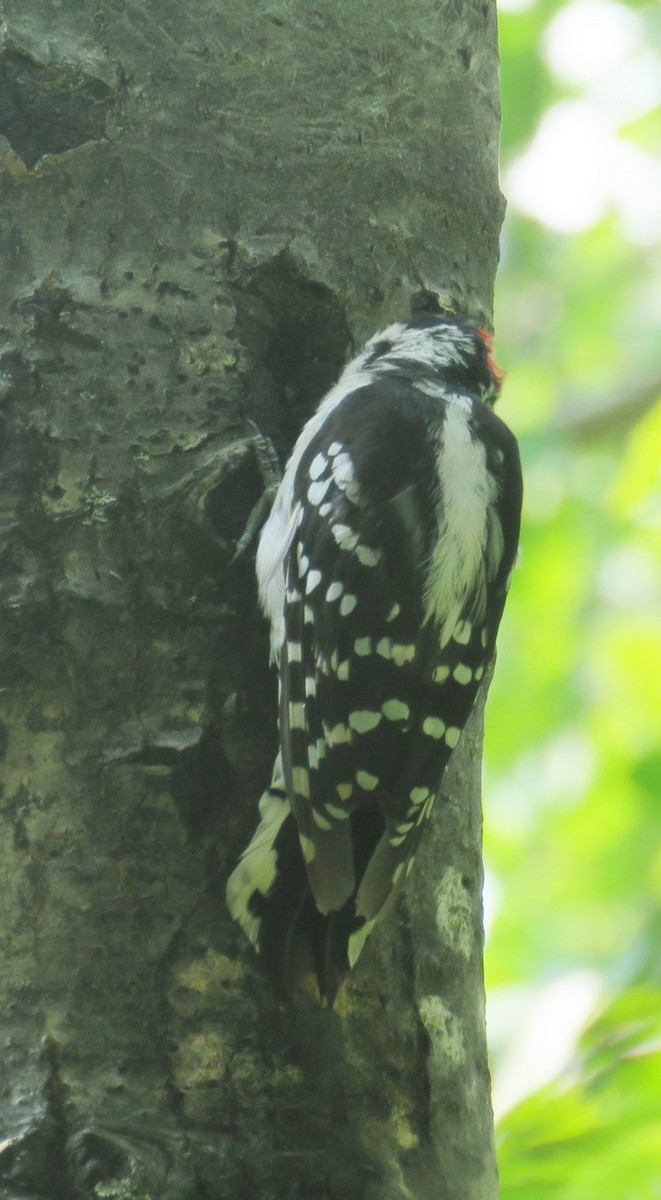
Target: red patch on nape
[{"x": 497, "y": 372}]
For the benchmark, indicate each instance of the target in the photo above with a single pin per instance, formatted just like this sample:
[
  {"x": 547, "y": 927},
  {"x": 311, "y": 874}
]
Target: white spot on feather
[
  {"x": 317, "y": 491},
  {"x": 363, "y": 721},
  {"x": 297, "y": 716},
  {"x": 402, "y": 654},
  {"x": 318, "y": 466},
  {"x": 338, "y": 735},
  {"x": 321, "y": 821},
  {"x": 462, "y": 633},
  {"x": 368, "y": 556},
  {"x": 301, "y": 782},
  {"x": 343, "y": 475},
  {"x": 336, "y": 810},
  {"x": 418, "y": 795},
  {"x": 396, "y": 710},
  {"x": 308, "y": 847},
  {"x": 345, "y": 537}
]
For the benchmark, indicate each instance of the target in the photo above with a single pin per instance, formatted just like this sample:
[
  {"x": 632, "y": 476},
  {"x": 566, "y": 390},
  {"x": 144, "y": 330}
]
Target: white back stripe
[{"x": 457, "y": 574}]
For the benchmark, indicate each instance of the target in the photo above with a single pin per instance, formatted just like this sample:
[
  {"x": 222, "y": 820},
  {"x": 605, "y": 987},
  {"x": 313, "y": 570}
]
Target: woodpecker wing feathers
[
  {"x": 352, "y": 612},
  {"x": 383, "y": 569},
  {"x": 389, "y": 579}
]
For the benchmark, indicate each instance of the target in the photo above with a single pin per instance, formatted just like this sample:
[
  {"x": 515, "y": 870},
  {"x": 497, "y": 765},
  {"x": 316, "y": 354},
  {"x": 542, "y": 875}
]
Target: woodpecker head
[{"x": 433, "y": 347}]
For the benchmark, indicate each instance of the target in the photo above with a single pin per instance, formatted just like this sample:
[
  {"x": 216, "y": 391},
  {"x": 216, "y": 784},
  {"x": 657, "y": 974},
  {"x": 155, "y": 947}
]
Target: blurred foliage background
[{"x": 573, "y": 753}]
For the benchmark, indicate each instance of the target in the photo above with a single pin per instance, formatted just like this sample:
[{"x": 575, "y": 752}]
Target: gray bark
[{"x": 201, "y": 205}]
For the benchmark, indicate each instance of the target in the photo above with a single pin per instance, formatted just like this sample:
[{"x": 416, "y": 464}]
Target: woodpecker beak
[{"x": 498, "y": 373}]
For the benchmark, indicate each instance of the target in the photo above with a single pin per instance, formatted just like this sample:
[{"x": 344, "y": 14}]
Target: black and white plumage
[{"x": 383, "y": 569}]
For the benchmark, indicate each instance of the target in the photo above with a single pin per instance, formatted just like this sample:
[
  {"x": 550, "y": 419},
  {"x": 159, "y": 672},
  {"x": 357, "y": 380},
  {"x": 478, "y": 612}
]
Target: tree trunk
[{"x": 201, "y": 204}]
